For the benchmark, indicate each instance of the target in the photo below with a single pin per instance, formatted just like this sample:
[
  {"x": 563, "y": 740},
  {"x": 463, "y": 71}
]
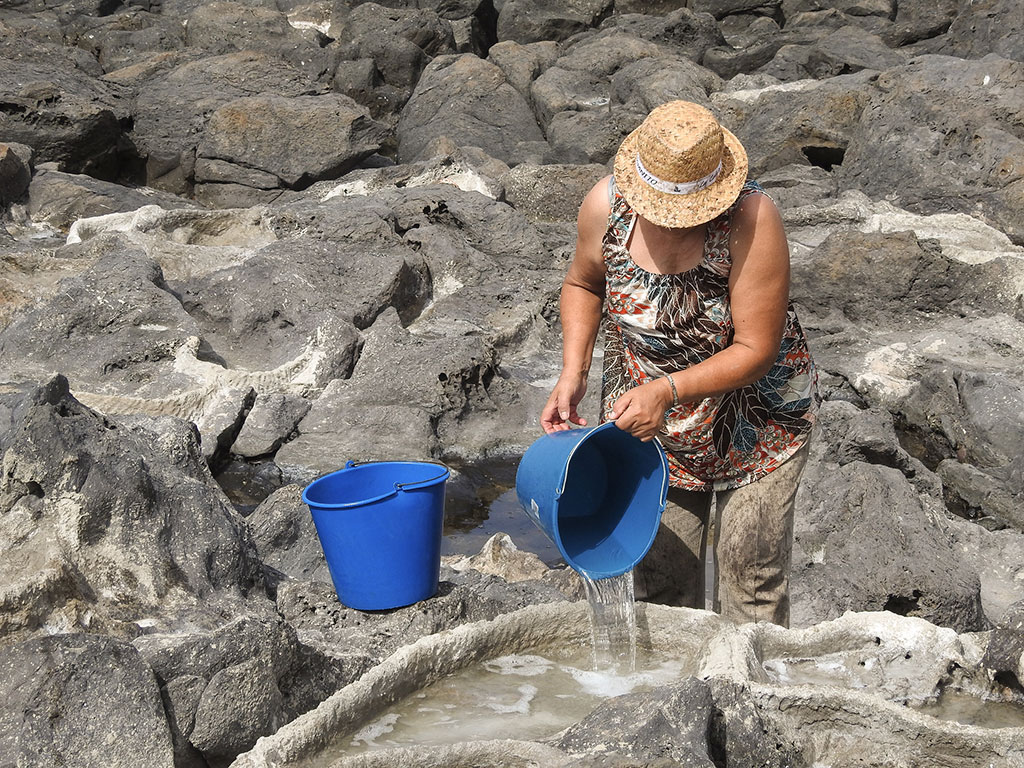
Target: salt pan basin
[{"x": 833, "y": 720}]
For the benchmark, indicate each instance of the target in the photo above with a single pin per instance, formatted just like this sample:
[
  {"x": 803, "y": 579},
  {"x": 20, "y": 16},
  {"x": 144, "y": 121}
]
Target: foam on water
[{"x": 520, "y": 696}]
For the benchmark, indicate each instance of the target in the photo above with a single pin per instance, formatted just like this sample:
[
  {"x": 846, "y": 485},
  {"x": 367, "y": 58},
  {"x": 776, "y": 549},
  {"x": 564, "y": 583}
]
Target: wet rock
[
  {"x": 468, "y": 100},
  {"x": 286, "y": 537},
  {"x": 78, "y": 699},
  {"x": 693, "y": 723},
  {"x": 867, "y": 540},
  {"x": 529, "y": 21},
  {"x": 550, "y": 192}
]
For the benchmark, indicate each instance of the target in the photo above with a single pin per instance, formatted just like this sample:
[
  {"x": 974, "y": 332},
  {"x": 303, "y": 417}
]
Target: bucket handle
[{"x": 400, "y": 486}]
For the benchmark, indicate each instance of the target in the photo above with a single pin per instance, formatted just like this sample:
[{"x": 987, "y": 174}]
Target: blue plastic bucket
[
  {"x": 380, "y": 528},
  {"x": 597, "y": 493}
]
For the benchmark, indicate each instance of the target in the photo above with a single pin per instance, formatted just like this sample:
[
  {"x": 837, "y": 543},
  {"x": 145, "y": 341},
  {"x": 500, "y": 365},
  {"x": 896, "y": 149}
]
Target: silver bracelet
[{"x": 675, "y": 392}]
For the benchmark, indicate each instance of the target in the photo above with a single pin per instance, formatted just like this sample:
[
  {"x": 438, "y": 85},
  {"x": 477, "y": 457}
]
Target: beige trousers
[{"x": 753, "y": 543}]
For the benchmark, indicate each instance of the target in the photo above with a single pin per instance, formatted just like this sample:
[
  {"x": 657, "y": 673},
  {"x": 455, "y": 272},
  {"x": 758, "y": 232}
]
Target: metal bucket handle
[{"x": 398, "y": 486}]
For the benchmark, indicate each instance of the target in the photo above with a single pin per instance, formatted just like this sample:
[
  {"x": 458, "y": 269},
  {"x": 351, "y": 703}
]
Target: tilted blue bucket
[
  {"x": 380, "y": 528},
  {"x": 597, "y": 493}
]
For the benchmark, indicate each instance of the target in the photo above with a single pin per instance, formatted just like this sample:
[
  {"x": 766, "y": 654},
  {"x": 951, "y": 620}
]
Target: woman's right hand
[{"x": 560, "y": 411}]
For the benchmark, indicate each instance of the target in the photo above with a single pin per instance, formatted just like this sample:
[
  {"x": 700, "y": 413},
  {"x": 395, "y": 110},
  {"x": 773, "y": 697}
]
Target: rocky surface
[{"x": 249, "y": 241}]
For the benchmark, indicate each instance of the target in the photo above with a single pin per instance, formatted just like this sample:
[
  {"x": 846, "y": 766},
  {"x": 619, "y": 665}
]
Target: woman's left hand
[{"x": 641, "y": 411}]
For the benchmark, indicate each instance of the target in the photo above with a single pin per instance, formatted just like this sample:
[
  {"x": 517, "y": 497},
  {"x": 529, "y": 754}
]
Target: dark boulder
[{"x": 468, "y": 100}]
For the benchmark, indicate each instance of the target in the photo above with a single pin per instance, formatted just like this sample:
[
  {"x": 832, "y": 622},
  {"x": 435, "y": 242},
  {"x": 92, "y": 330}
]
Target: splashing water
[{"x": 612, "y": 622}]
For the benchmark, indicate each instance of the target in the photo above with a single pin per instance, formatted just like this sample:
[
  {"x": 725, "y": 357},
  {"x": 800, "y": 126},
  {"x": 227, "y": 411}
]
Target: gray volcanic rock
[
  {"x": 468, "y": 100},
  {"x": 690, "y": 723},
  {"x": 75, "y": 329},
  {"x": 171, "y": 112},
  {"x": 270, "y": 421},
  {"x": 229, "y": 686},
  {"x": 299, "y": 140},
  {"x": 940, "y": 134},
  {"x": 866, "y": 539},
  {"x": 66, "y": 116},
  {"x": 871, "y": 275},
  {"x": 995, "y": 494},
  {"x": 722, "y": 8},
  {"x": 845, "y": 50},
  {"x": 808, "y": 122},
  {"x": 522, "y": 64},
  {"x": 386, "y": 49},
  {"x": 360, "y": 639},
  {"x": 59, "y": 199},
  {"x": 15, "y": 173},
  {"x": 286, "y": 537},
  {"x": 396, "y": 401},
  {"x": 221, "y": 27},
  {"x": 124, "y": 38},
  {"x": 300, "y": 286},
  {"x": 653, "y": 81},
  {"x": 529, "y": 21},
  {"x": 922, "y": 19},
  {"x": 683, "y": 32},
  {"x": 77, "y": 699},
  {"x": 550, "y": 192},
  {"x": 592, "y": 136},
  {"x": 987, "y": 26},
  {"x": 96, "y": 532}
]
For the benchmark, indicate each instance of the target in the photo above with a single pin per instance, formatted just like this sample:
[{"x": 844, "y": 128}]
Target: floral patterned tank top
[{"x": 660, "y": 323}]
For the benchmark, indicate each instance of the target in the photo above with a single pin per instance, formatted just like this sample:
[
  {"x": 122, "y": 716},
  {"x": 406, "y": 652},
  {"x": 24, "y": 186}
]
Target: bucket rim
[
  {"x": 354, "y": 465},
  {"x": 571, "y": 561}
]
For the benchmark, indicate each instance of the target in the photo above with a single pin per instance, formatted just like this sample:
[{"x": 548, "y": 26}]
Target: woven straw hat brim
[{"x": 668, "y": 210}]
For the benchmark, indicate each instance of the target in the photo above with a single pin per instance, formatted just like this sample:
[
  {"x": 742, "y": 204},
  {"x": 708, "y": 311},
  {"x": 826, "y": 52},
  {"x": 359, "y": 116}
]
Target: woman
[{"x": 688, "y": 263}]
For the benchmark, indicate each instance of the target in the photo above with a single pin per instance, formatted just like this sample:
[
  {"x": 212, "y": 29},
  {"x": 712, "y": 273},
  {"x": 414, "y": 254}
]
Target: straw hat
[{"x": 680, "y": 168}]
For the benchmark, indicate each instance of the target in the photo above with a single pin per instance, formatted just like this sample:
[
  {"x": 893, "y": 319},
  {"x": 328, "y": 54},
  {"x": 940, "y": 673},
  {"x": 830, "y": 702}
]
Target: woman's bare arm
[{"x": 581, "y": 301}]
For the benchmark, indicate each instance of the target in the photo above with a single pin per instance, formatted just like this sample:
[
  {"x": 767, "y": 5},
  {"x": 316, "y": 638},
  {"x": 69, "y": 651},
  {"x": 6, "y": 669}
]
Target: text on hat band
[{"x": 672, "y": 187}]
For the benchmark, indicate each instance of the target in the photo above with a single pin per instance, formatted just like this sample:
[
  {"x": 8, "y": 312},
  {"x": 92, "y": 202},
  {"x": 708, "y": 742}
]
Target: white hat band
[{"x": 672, "y": 187}]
